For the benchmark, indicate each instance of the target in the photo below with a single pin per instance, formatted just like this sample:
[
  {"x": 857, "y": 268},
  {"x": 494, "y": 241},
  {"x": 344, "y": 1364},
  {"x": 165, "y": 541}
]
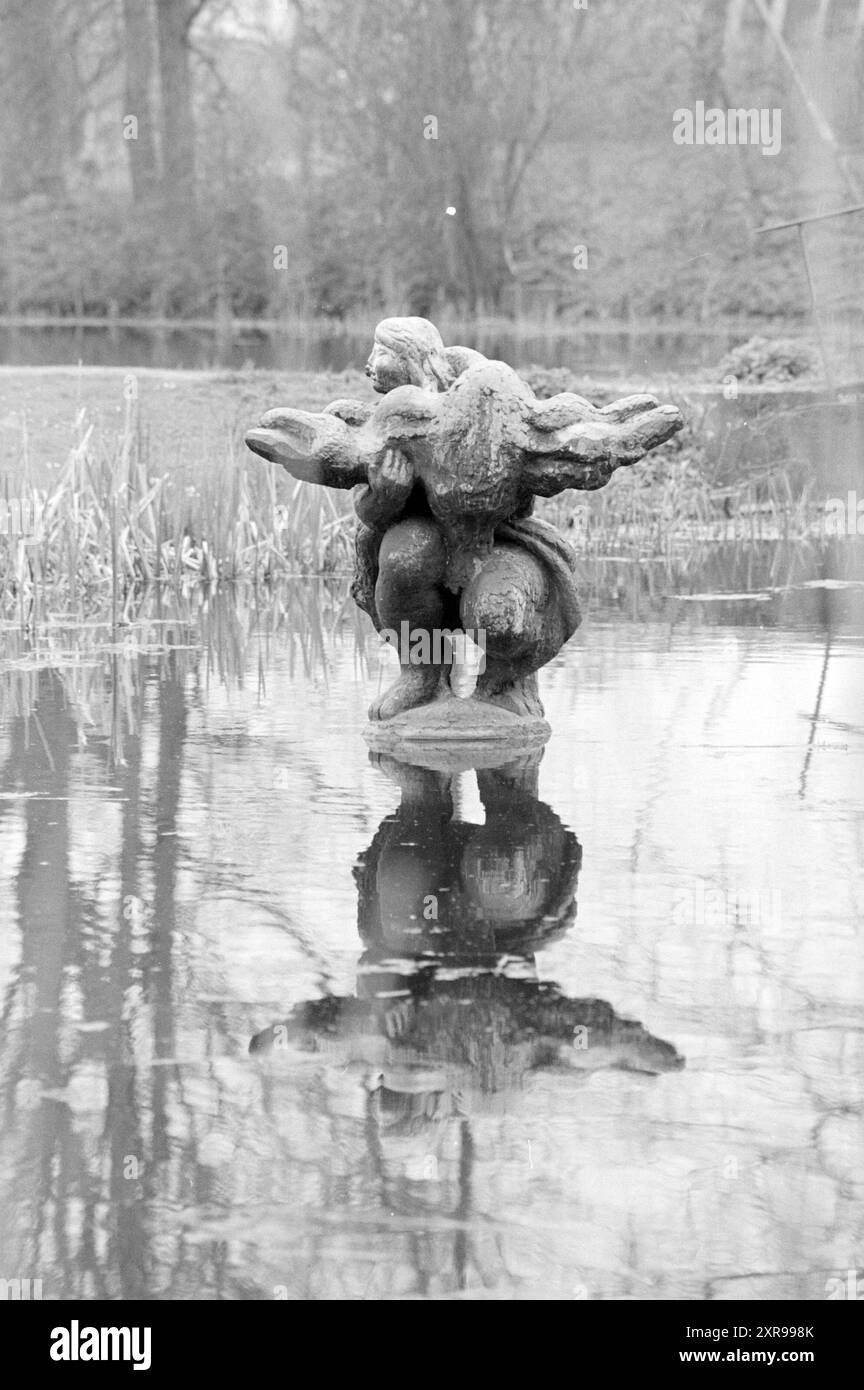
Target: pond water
[
  {"x": 314, "y": 349},
  {"x": 281, "y": 1020}
]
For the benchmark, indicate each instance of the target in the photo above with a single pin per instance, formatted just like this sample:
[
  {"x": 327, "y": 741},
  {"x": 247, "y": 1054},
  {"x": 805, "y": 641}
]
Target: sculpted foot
[
  {"x": 520, "y": 696},
  {"x": 417, "y": 685}
]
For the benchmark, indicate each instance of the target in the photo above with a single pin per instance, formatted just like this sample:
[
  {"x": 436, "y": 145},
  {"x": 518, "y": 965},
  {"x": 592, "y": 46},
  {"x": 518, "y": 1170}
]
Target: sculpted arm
[{"x": 382, "y": 501}]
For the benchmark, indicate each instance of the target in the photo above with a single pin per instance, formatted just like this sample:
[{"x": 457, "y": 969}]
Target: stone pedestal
[{"x": 450, "y": 734}]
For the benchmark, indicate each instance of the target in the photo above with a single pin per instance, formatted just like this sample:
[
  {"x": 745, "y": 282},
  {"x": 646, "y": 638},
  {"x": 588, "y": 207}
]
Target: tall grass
[
  {"x": 664, "y": 508},
  {"x": 114, "y": 518},
  {"x": 110, "y": 520},
  {"x": 103, "y": 660}
]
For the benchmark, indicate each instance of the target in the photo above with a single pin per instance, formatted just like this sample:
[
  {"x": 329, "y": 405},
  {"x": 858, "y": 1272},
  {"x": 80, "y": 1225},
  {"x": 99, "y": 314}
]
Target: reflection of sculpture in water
[
  {"x": 447, "y": 467},
  {"x": 449, "y": 1011}
]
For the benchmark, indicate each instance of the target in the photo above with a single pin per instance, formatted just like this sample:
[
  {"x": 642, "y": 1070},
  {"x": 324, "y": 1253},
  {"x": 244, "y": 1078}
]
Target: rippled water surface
[{"x": 281, "y": 1020}]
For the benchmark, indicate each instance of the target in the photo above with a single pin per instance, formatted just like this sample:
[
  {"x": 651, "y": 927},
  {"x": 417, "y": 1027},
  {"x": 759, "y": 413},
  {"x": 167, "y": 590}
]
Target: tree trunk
[
  {"x": 138, "y": 44},
  {"x": 178, "y": 129},
  {"x": 34, "y": 97}
]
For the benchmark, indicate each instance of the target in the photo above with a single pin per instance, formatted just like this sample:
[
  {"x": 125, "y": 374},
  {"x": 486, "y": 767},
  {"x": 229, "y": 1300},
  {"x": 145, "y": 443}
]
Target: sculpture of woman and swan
[{"x": 446, "y": 467}]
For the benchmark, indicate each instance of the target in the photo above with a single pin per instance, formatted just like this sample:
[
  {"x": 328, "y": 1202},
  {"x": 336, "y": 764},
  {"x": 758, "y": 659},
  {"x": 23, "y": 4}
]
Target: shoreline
[
  {"x": 693, "y": 382},
  {"x": 190, "y": 422},
  {"x": 361, "y": 324}
]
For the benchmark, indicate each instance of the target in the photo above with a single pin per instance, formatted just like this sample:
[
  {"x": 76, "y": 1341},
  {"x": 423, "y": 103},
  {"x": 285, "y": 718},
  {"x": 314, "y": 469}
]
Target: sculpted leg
[
  {"x": 511, "y": 601},
  {"x": 410, "y": 570}
]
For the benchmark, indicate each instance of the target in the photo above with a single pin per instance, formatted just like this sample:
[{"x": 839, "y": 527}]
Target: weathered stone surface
[
  {"x": 451, "y": 734},
  {"x": 447, "y": 467}
]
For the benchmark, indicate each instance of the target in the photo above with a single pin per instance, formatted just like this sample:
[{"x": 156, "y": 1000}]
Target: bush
[
  {"x": 549, "y": 381},
  {"x": 771, "y": 359}
]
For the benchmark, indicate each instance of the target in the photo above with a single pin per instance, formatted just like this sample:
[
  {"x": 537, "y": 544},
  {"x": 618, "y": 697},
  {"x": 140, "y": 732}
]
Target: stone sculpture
[{"x": 447, "y": 466}]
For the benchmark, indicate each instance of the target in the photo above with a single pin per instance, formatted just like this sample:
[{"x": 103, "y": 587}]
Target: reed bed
[
  {"x": 667, "y": 508},
  {"x": 112, "y": 518},
  {"x": 104, "y": 657}
]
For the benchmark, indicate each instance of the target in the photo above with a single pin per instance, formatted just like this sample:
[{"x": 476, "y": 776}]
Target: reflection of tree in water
[
  {"x": 449, "y": 1016},
  {"x": 39, "y": 757},
  {"x": 103, "y": 1128},
  {"x": 82, "y": 1222},
  {"x": 85, "y": 1109}
]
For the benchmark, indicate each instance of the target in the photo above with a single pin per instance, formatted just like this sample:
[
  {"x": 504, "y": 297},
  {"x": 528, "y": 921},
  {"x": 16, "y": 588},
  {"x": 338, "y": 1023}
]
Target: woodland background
[{"x": 300, "y": 124}]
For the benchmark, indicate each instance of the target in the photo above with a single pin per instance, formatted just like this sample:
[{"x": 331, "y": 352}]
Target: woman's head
[{"x": 408, "y": 352}]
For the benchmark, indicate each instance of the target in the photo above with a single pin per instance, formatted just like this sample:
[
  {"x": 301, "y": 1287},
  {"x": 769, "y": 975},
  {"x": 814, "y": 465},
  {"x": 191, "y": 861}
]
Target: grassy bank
[{"x": 142, "y": 477}]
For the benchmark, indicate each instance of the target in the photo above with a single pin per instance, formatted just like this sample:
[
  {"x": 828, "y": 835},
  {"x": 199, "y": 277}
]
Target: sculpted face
[{"x": 386, "y": 369}]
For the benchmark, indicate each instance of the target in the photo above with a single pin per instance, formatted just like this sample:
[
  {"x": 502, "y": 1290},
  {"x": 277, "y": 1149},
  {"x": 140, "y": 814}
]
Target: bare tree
[
  {"x": 35, "y": 100},
  {"x": 138, "y": 53},
  {"x": 174, "y": 19},
  {"x": 444, "y": 104}
]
